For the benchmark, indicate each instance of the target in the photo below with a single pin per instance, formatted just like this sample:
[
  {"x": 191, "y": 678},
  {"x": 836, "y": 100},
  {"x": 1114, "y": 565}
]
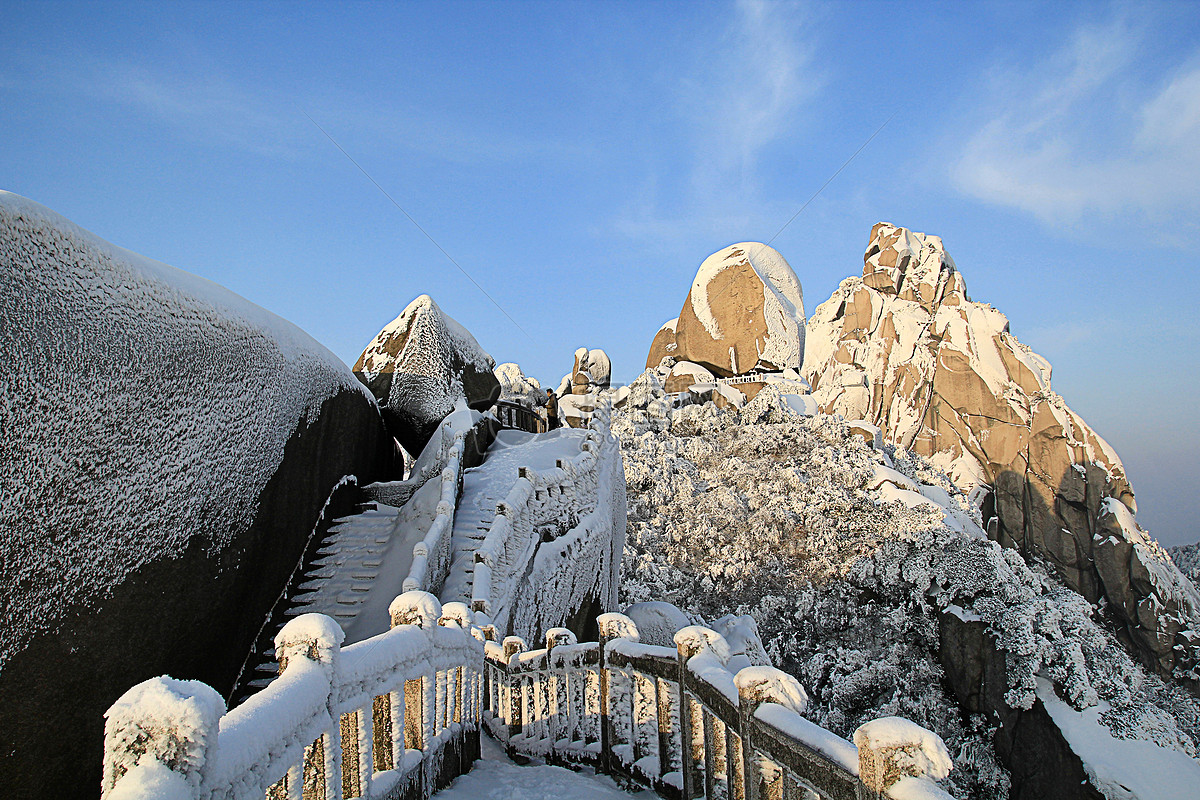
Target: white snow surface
[
  {"x": 783, "y": 300},
  {"x": 495, "y": 777},
  {"x": 1123, "y": 769},
  {"x": 150, "y": 402}
]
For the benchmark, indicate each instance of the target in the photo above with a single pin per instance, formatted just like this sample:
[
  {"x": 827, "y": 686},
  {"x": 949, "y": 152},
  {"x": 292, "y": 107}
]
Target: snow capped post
[
  {"x": 159, "y": 738},
  {"x": 304, "y": 642},
  {"x": 612, "y": 626},
  {"x": 757, "y": 685},
  {"x": 893, "y": 750},
  {"x": 512, "y": 647}
]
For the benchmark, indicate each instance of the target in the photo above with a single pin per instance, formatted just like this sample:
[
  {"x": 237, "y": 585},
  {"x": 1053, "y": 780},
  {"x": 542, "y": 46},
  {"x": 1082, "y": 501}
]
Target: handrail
[
  {"x": 562, "y": 505},
  {"x": 519, "y": 417},
  {"x": 616, "y": 705},
  {"x": 396, "y": 715}
]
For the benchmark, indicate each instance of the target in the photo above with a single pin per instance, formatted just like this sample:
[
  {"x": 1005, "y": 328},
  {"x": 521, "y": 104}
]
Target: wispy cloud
[
  {"x": 1088, "y": 137},
  {"x": 746, "y": 93},
  {"x": 207, "y": 105}
]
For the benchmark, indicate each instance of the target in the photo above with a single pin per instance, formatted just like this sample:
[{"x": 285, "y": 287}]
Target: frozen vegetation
[{"x": 845, "y": 555}]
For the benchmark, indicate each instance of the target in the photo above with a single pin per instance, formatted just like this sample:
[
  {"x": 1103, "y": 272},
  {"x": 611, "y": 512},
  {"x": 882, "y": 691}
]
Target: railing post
[
  {"x": 612, "y": 626},
  {"x": 514, "y": 645},
  {"x": 687, "y": 767},
  {"x": 748, "y": 701},
  {"x": 417, "y": 706},
  {"x": 892, "y": 748},
  {"x": 556, "y": 686},
  {"x": 162, "y": 725},
  {"x": 757, "y": 685},
  {"x": 317, "y": 638}
]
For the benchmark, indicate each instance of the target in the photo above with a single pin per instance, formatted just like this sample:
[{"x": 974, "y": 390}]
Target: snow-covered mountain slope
[
  {"x": 745, "y": 310},
  {"x": 159, "y": 481},
  {"x": 867, "y": 572},
  {"x": 905, "y": 348},
  {"x": 419, "y": 365}
]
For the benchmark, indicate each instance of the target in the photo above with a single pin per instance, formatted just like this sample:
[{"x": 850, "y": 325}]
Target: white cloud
[
  {"x": 1087, "y": 138},
  {"x": 745, "y": 93}
]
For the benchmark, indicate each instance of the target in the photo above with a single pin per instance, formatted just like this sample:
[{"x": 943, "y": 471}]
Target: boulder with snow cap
[
  {"x": 517, "y": 387},
  {"x": 657, "y": 622},
  {"x": 169, "y": 450},
  {"x": 592, "y": 373},
  {"x": 745, "y": 312},
  {"x": 419, "y": 365},
  {"x": 905, "y": 349}
]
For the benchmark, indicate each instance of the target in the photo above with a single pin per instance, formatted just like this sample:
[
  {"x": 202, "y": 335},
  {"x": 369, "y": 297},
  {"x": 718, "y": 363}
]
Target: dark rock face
[
  {"x": 419, "y": 366},
  {"x": 169, "y": 448},
  {"x": 1041, "y": 764}
]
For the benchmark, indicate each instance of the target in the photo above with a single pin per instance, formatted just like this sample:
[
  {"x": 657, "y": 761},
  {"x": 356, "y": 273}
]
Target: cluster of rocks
[{"x": 904, "y": 348}]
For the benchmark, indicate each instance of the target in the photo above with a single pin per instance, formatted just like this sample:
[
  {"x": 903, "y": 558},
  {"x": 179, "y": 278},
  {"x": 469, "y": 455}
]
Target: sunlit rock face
[
  {"x": 745, "y": 312},
  {"x": 418, "y": 367},
  {"x": 905, "y": 348},
  {"x": 168, "y": 450}
]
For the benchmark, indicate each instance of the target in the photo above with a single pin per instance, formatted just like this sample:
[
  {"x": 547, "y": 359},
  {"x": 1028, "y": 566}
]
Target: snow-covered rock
[
  {"x": 592, "y": 373},
  {"x": 657, "y": 622},
  {"x": 169, "y": 448},
  {"x": 517, "y": 387},
  {"x": 419, "y": 365},
  {"x": 745, "y": 312},
  {"x": 904, "y": 348}
]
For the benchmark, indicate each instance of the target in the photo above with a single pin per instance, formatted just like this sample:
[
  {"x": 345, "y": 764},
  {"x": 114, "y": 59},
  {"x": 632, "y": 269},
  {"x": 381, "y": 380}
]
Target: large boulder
[
  {"x": 592, "y": 373},
  {"x": 905, "y": 348},
  {"x": 419, "y": 365},
  {"x": 169, "y": 449},
  {"x": 744, "y": 313}
]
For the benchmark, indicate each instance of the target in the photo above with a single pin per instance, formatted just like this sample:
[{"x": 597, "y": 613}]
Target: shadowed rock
[{"x": 169, "y": 449}]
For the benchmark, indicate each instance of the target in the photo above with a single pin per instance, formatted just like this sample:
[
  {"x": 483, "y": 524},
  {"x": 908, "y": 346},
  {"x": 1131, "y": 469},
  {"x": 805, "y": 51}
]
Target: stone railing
[
  {"x": 682, "y": 722},
  {"x": 431, "y": 556},
  {"x": 394, "y": 716},
  {"x": 573, "y": 516}
]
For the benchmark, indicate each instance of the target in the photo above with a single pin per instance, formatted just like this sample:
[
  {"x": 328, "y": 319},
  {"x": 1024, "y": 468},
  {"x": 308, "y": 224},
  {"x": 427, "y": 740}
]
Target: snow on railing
[
  {"x": 679, "y": 720},
  {"x": 396, "y": 715},
  {"x": 432, "y": 555},
  {"x": 571, "y": 517}
]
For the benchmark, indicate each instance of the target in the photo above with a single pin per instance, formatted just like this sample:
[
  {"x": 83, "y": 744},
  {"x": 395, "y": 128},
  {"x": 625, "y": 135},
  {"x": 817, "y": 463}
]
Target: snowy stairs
[
  {"x": 337, "y": 581},
  {"x": 471, "y": 527}
]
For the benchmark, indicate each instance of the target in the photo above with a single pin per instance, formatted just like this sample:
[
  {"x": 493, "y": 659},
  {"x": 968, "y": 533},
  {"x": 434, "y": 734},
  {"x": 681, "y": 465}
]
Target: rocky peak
[
  {"x": 905, "y": 349},
  {"x": 911, "y": 265},
  {"x": 419, "y": 365}
]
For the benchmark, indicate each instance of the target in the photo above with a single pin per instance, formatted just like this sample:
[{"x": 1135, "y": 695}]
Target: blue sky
[{"x": 580, "y": 160}]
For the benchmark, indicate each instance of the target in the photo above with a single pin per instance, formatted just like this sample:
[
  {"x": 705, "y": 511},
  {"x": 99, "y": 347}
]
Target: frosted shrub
[{"x": 772, "y": 515}]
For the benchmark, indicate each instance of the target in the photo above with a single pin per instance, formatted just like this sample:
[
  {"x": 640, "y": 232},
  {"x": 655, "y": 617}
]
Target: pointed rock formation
[
  {"x": 904, "y": 347},
  {"x": 419, "y": 365},
  {"x": 745, "y": 312}
]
